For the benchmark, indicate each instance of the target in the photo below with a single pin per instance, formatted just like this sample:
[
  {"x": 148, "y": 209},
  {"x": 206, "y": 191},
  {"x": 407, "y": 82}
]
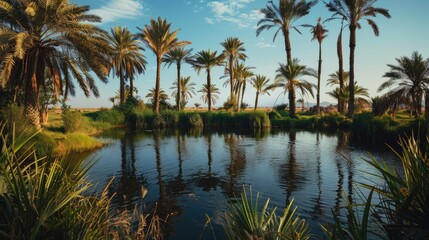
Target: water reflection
[
  {"x": 192, "y": 173},
  {"x": 292, "y": 175}
]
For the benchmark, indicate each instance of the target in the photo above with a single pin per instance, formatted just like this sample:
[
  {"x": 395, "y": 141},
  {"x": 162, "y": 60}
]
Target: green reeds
[
  {"x": 43, "y": 198},
  {"x": 247, "y": 219}
]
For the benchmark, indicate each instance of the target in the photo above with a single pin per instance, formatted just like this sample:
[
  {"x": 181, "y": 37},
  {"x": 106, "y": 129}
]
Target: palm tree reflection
[
  {"x": 230, "y": 184},
  {"x": 291, "y": 174}
]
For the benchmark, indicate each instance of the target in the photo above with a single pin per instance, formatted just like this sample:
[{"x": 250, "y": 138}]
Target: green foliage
[
  {"x": 246, "y": 219},
  {"x": 73, "y": 120},
  {"x": 15, "y": 119},
  {"x": 43, "y": 198},
  {"x": 230, "y": 104},
  {"x": 257, "y": 119},
  {"x": 112, "y": 116},
  {"x": 171, "y": 118},
  {"x": 158, "y": 121},
  {"x": 274, "y": 115},
  {"x": 281, "y": 107},
  {"x": 357, "y": 227},
  {"x": 195, "y": 120},
  {"x": 404, "y": 198}
]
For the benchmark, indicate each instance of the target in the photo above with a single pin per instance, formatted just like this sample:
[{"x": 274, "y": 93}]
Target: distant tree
[
  {"x": 262, "y": 86},
  {"x": 127, "y": 58},
  {"x": 178, "y": 55},
  {"x": 282, "y": 17},
  {"x": 210, "y": 95},
  {"x": 57, "y": 37},
  {"x": 289, "y": 77},
  {"x": 319, "y": 33},
  {"x": 352, "y": 12},
  {"x": 158, "y": 37},
  {"x": 206, "y": 60},
  {"x": 233, "y": 51},
  {"x": 187, "y": 91},
  {"x": 409, "y": 79},
  {"x": 151, "y": 96},
  {"x": 361, "y": 94}
]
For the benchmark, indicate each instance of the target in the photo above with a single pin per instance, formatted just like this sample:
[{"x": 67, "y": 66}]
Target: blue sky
[{"x": 206, "y": 23}]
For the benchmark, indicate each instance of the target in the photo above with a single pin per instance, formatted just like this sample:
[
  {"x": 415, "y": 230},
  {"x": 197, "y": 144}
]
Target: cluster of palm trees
[{"x": 37, "y": 50}]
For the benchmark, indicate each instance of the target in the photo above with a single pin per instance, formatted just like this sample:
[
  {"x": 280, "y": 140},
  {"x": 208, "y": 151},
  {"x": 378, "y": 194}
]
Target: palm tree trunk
[
  {"x": 341, "y": 104},
  {"x": 292, "y": 108},
  {"x": 31, "y": 107},
  {"x": 256, "y": 100},
  {"x": 231, "y": 77},
  {"x": 131, "y": 86},
  {"x": 287, "y": 46},
  {"x": 242, "y": 94},
  {"x": 158, "y": 81},
  {"x": 427, "y": 104},
  {"x": 178, "y": 87},
  {"x": 319, "y": 72},
  {"x": 121, "y": 88},
  {"x": 238, "y": 96},
  {"x": 209, "y": 90},
  {"x": 352, "y": 70}
]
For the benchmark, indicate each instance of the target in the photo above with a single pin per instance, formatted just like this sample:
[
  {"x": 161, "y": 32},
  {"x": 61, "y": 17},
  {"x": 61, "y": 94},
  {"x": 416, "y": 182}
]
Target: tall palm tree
[
  {"x": 341, "y": 103},
  {"x": 210, "y": 94},
  {"x": 352, "y": 12},
  {"x": 319, "y": 33},
  {"x": 243, "y": 74},
  {"x": 127, "y": 58},
  {"x": 177, "y": 55},
  {"x": 186, "y": 91},
  {"x": 409, "y": 79},
  {"x": 206, "y": 60},
  {"x": 289, "y": 77},
  {"x": 159, "y": 38},
  {"x": 262, "y": 86},
  {"x": 35, "y": 44},
  {"x": 234, "y": 51},
  {"x": 282, "y": 17}
]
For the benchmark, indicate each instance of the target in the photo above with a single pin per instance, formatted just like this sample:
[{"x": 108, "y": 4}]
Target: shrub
[
  {"x": 73, "y": 120},
  {"x": 195, "y": 120},
  {"x": 274, "y": 115},
  {"x": 231, "y": 103},
  {"x": 244, "y": 105},
  {"x": 158, "y": 121},
  {"x": 281, "y": 107},
  {"x": 171, "y": 118},
  {"x": 112, "y": 116}
]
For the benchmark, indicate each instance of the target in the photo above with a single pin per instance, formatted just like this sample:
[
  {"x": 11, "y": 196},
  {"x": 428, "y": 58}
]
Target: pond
[{"x": 192, "y": 174}]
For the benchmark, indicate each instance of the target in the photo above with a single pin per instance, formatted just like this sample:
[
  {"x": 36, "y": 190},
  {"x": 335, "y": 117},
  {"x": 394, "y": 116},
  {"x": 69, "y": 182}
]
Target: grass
[{"x": 43, "y": 198}]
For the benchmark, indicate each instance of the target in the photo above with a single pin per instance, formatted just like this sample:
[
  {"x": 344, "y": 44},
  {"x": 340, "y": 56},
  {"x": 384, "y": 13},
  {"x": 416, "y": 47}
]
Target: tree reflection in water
[
  {"x": 230, "y": 185},
  {"x": 292, "y": 175},
  {"x": 207, "y": 180},
  {"x": 128, "y": 185},
  {"x": 318, "y": 208}
]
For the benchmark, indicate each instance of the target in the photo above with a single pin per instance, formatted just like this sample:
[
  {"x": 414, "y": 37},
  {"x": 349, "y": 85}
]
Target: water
[{"x": 191, "y": 175}]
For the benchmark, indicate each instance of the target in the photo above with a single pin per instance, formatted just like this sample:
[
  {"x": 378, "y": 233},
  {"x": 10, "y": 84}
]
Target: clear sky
[{"x": 207, "y": 23}]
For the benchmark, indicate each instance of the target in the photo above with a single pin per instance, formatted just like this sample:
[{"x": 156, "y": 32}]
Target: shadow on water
[{"x": 191, "y": 173}]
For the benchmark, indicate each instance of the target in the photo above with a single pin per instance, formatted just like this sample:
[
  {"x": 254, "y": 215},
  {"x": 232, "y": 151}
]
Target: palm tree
[
  {"x": 339, "y": 79},
  {"x": 341, "y": 103},
  {"x": 319, "y": 33},
  {"x": 177, "y": 55},
  {"x": 127, "y": 58},
  {"x": 158, "y": 38},
  {"x": 342, "y": 94},
  {"x": 207, "y": 59},
  {"x": 289, "y": 77},
  {"x": 35, "y": 44},
  {"x": 282, "y": 17},
  {"x": 151, "y": 95},
  {"x": 210, "y": 94},
  {"x": 410, "y": 80},
  {"x": 186, "y": 91},
  {"x": 352, "y": 12},
  {"x": 243, "y": 73},
  {"x": 262, "y": 86},
  {"x": 234, "y": 51}
]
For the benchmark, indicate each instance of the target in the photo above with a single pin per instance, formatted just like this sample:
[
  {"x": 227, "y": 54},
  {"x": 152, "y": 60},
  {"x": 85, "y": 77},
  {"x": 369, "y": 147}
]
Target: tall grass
[
  {"x": 247, "y": 219},
  {"x": 43, "y": 198}
]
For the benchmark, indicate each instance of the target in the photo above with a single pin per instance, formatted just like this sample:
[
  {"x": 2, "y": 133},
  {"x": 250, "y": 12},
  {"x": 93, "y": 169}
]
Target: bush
[
  {"x": 112, "y": 116},
  {"x": 158, "y": 121},
  {"x": 244, "y": 105},
  {"x": 73, "y": 120},
  {"x": 195, "y": 120},
  {"x": 15, "y": 119},
  {"x": 230, "y": 104},
  {"x": 274, "y": 115},
  {"x": 281, "y": 107}
]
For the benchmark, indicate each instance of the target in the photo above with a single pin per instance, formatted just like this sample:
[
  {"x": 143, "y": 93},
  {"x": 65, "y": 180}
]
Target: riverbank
[{"x": 364, "y": 126}]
